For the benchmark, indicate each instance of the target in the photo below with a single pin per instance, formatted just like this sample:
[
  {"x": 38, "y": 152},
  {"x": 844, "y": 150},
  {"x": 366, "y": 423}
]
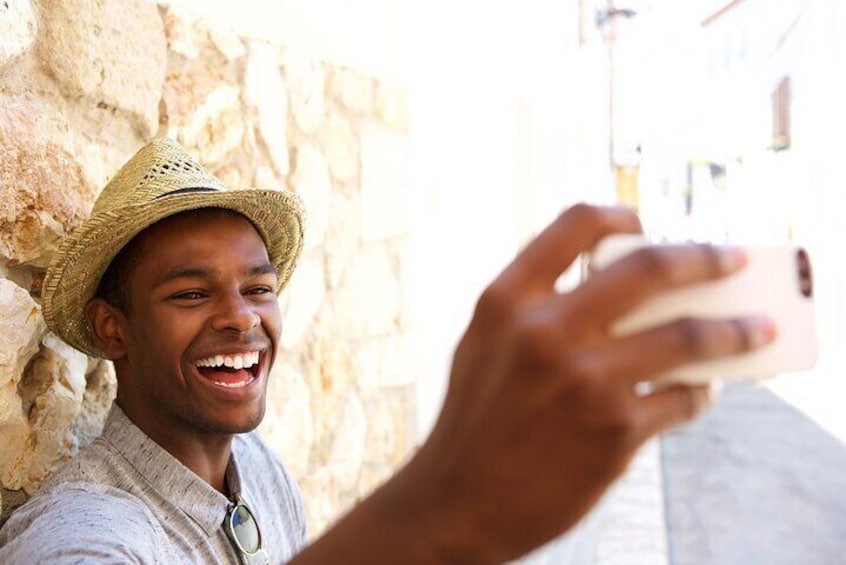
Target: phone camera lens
[{"x": 803, "y": 266}]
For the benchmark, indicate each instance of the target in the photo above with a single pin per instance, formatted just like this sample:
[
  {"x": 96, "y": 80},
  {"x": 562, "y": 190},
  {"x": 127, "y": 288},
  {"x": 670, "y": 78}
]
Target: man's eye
[
  {"x": 260, "y": 290},
  {"x": 189, "y": 295}
]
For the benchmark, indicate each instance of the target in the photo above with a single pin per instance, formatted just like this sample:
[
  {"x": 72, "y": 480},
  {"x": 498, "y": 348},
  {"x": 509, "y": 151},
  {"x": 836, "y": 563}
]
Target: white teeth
[
  {"x": 237, "y": 361},
  {"x": 242, "y": 384}
]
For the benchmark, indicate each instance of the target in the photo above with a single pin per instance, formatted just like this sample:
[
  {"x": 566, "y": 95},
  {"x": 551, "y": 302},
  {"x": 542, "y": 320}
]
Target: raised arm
[{"x": 542, "y": 415}]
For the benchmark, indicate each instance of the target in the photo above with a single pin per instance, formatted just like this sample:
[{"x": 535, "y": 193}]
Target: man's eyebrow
[
  {"x": 208, "y": 272},
  {"x": 184, "y": 273},
  {"x": 263, "y": 269}
]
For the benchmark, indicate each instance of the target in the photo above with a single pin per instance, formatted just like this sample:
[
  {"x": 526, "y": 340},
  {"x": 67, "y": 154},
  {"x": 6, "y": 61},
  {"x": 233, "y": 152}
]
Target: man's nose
[{"x": 235, "y": 314}]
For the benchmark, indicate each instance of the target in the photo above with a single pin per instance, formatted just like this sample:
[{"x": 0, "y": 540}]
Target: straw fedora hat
[{"x": 160, "y": 180}]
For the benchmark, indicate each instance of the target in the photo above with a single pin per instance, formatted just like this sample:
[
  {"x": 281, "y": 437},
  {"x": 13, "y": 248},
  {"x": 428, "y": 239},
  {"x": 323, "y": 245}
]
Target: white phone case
[{"x": 776, "y": 282}]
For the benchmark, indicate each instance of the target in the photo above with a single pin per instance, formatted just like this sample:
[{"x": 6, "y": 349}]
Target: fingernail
[
  {"x": 762, "y": 331},
  {"x": 732, "y": 258}
]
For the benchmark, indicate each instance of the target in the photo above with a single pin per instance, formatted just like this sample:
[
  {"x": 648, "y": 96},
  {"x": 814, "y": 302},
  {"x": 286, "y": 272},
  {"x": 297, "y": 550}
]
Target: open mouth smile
[{"x": 232, "y": 370}]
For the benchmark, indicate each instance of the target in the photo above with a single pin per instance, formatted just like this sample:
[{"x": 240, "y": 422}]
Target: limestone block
[
  {"x": 191, "y": 35},
  {"x": 387, "y": 362},
  {"x": 311, "y": 181},
  {"x": 321, "y": 499},
  {"x": 52, "y": 393},
  {"x": 42, "y": 191},
  {"x": 202, "y": 111},
  {"x": 288, "y": 423},
  {"x": 267, "y": 92},
  {"x": 390, "y": 418},
  {"x": 306, "y": 80},
  {"x": 306, "y": 292},
  {"x": 368, "y": 301},
  {"x": 391, "y": 106},
  {"x": 100, "y": 389},
  {"x": 353, "y": 90},
  {"x": 17, "y": 28},
  {"x": 347, "y": 452},
  {"x": 329, "y": 392},
  {"x": 343, "y": 237},
  {"x": 21, "y": 326},
  {"x": 112, "y": 53},
  {"x": 340, "y": 145},
  {"x": 266, "y": 178}
]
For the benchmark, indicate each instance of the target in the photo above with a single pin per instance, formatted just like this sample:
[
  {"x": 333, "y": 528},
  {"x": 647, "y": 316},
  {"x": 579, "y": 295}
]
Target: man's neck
[{"x": 205, "y": 453}]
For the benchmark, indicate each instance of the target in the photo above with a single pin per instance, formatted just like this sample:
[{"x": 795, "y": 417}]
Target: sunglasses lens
[{"x": 245, "y": 529}]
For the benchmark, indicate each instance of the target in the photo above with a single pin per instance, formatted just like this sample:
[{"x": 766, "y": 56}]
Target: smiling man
[{"x": 174, "y": 278}]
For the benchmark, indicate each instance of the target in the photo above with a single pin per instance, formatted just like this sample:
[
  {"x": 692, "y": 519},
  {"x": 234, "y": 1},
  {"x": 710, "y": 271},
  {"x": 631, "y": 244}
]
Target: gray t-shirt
[{"x": 124, "y": 499}]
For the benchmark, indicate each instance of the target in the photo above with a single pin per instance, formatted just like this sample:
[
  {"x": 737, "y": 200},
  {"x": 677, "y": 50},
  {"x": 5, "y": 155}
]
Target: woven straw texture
[{"x": 160, "y": 180}]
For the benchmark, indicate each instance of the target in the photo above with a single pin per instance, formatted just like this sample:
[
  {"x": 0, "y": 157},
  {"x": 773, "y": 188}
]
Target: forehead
[{"x": 203, "y": 234}]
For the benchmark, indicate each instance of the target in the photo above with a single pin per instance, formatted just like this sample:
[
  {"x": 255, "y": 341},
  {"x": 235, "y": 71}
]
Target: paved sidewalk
[{"x": 755, "y": 482}]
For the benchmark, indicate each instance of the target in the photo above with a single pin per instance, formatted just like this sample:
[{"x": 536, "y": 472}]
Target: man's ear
[{"x": 109, "y": 327}]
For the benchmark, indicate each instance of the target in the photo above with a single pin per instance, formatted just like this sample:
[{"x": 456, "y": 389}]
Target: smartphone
[{"x": 776, "y": 282}]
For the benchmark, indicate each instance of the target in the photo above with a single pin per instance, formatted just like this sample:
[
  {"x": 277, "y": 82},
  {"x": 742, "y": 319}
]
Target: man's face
[{"x": 202, "y": 325}]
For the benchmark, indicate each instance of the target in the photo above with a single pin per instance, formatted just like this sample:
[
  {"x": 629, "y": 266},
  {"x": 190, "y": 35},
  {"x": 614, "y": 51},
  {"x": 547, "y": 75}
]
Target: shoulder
[{"x": 80, "y": 522}]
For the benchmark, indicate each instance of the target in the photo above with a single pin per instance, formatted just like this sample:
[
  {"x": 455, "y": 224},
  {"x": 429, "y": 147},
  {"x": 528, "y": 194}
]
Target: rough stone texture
[
  {"x": 42, "y": 192},
  {"x": 368, "y": 302},
  {"x": 201, "y": 104},
  {"x": 52, "y": 391},
  {"x": 304, "y": 297},
  {"x": 343, "y": 237},
  {"x": 111, "y": 53},
  {"x": 288, "y": 424},
  {"x": 306, "y": 80},
  {"x": 340, "y": 144},
  {"x": 341, "y": 397},
  {"x": 353, "y": 90},
  {"x": 191, "y": 36},
  {"x": 21, "y": 327},
  {"x": 387, "y": 362},
  {"x": 100, "y": 389},
  {"x": 17, "y": 28},
  {"x": 756, "y": 482},
  {"x": 311, "y": 181},
  {"x": 268, "y": 94},
  {"x": 391, "y": 106},
  {"x": 9, "y": 501}
]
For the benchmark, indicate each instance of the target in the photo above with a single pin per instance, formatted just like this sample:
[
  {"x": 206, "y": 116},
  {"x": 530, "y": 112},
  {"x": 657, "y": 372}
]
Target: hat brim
[{"x": 83, "y": 257}]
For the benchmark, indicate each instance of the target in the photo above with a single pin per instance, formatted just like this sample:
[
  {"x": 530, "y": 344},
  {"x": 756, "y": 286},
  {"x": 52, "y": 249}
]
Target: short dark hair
[{"x": 114, "y": 284}]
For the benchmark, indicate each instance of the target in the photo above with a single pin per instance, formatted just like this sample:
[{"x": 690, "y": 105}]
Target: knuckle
[
  {"x": 583, "y": 212},
  {"x": 692, "y": 337},
  {"x": 655, "y": 263},
  {"x": 536, "y": 342},
  {"x": 711, "y": 259},
  {"x": 581, "y": 370},
  {"x": 622, "y": 421},
  {"x": 495, "y": 302}
]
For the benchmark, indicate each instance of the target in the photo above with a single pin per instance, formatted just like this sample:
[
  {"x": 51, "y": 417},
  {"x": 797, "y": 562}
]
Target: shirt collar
[{"x": 167, "y": 475}]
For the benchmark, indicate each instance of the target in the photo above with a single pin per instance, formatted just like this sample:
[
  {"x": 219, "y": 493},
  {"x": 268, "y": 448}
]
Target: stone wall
[{"x": 83, "y": 84}]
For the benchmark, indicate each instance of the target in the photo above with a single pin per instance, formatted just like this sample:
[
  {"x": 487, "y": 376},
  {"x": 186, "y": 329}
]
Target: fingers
[
  {"x": 648, "y": 354},
  {"x": 577, "y": 230},
  {"x": 612, "y": 292},
  {"x": 670, "y": 407}
]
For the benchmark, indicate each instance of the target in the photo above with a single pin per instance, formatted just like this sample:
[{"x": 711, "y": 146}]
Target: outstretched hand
[{"x": 542, "y": 412}]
